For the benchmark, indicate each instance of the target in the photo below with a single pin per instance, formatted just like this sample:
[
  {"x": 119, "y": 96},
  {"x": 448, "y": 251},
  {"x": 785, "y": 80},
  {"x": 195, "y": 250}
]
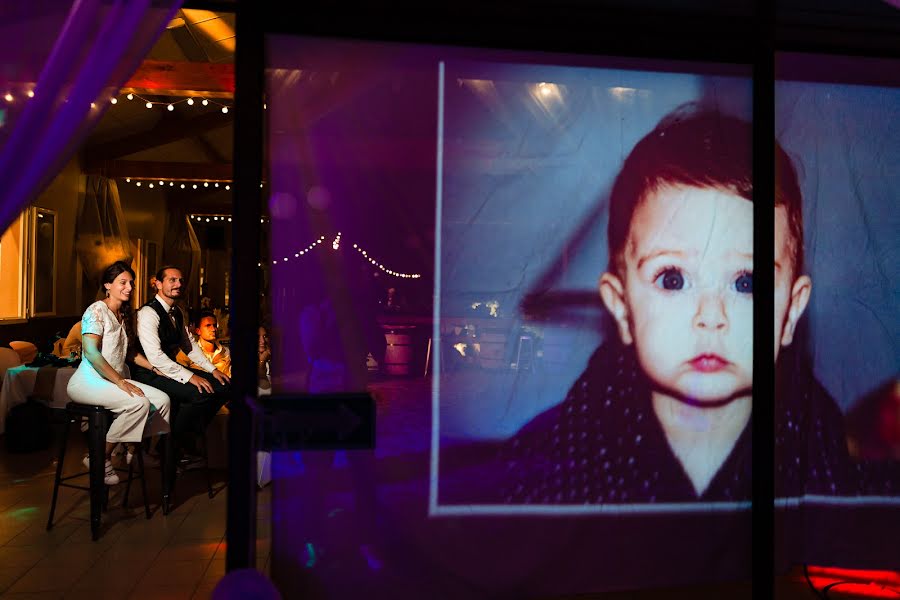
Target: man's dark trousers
[{"x": 192, "y": 411}]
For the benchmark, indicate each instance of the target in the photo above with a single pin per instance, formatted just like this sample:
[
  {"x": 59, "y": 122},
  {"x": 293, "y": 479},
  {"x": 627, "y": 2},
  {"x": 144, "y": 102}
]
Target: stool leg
[
  {"x": 128, "y": 483},
  {"x": 140, "y": 459},
  {"x": 59, "y": 468},
  {"x": 166, "y": 466},
  {"x": 97, "y": 459},
  {"x": 205, "y": 450}
]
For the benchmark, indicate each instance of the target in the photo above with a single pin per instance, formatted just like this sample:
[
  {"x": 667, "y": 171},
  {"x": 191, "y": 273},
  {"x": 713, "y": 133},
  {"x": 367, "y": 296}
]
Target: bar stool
[{"x": 98, "y": 419}]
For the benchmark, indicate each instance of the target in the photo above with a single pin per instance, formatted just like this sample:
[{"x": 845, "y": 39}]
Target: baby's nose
[{"x": 711, "y": 313}]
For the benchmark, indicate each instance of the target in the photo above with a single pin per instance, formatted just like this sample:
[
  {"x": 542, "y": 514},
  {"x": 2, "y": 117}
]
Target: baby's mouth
[{"x": 708, "y": 363}]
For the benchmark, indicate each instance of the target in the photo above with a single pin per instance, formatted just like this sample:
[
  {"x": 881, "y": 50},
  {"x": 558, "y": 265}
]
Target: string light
[
  {"x": 183, "y": 183},
  {"x": 336, "y": 245},
  {"x": 170, "y": 105},
  {"x": 208, "y": 184},
  {"x": 205, "y": 218},
  {"x": 381, "y": 266}
]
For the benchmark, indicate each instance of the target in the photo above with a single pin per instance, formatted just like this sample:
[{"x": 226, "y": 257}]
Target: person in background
[
  {"x": 264, "y": 371},
  {"x": 72, "y": 344},
  {"x": 206, "y": 330},
  {"x": 206, "y": 302}
]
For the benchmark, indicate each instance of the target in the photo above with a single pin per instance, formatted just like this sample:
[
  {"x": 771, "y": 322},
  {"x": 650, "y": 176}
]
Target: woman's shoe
[{"x": 110, "y": 477}]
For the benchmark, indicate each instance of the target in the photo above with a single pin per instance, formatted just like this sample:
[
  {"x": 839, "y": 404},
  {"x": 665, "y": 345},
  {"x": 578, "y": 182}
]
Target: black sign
[{"x": 318, "y": 422}]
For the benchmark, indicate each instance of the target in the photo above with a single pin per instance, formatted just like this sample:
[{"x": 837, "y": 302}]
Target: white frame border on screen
[{"x": 435, "y": 509}]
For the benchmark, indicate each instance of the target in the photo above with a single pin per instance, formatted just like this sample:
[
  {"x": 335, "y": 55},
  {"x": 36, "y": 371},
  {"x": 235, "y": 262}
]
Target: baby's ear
[
  {"x": 613, "y": 294},
  {"x": 800, "y": 292}
]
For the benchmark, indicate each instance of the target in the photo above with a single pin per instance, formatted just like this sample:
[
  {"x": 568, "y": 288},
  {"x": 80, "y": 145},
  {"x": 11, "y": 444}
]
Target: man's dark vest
[{"x": 169, "y": 335}]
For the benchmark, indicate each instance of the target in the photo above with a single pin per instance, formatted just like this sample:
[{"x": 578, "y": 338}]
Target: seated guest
[
  {"x": 72, "y": 345},
  {"x": 206, "y": 331},
  {"x": 103, "y": 378},
  {"x": 263, "y": 372},
  {"x": 196, "y": 394}
]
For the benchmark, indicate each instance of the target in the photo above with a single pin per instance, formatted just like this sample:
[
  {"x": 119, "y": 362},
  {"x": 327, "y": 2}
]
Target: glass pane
[
  {"x": 438, "y": 227},
  {"x": 44, "y": 261},
  {"x": 838, "y": 418},
  {"x": 11, "y": 260}
]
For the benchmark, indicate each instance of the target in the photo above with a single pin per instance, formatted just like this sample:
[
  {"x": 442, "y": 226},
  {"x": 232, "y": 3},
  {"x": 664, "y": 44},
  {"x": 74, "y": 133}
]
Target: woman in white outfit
[{"x": 102, "y": 378}]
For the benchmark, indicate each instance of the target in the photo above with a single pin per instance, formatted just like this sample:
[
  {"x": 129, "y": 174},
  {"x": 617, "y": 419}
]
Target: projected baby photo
[
  {"x": 607, "y": 357},
  {"x": 597, "y": 302}
]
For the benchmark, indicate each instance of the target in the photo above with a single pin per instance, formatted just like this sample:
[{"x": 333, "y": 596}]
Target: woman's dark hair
[{"x": 109, "y": 275}]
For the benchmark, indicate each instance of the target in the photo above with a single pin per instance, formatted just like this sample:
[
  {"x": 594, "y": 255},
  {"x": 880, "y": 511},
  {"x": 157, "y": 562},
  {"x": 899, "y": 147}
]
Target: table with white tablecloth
[{"x": 20, "y": 382}]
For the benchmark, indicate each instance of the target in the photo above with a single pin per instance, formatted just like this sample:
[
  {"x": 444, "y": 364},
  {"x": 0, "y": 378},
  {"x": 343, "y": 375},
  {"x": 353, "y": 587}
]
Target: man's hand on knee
[
  {"x": 221, "y": 377},
  {"x": 201, "y": 384}
]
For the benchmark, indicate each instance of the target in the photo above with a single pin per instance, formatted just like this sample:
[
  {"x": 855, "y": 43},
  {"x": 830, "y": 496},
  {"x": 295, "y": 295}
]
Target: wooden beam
[
  {"x": 150, "y": 170},
  {"x": 168, "y": 130},
  {"x": 182, "y": 78}
]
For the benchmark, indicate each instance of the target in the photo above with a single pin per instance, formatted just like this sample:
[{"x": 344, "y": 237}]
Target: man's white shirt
[{"x": 148, "y": 334}]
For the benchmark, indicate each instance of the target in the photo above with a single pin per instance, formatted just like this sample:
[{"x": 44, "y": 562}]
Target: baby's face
[{"x": 688, "y": 292}]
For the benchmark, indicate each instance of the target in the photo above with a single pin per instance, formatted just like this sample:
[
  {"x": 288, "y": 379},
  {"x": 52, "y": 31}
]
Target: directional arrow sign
[{"x": 318, "y": 421}]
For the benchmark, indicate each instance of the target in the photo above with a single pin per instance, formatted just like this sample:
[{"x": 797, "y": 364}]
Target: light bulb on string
[
  {"x": 205, "y": 102},
  {"x": 149, "y": 105},
  {"x": 190, "y": 101},
  {"x": 130, "y": 96}
]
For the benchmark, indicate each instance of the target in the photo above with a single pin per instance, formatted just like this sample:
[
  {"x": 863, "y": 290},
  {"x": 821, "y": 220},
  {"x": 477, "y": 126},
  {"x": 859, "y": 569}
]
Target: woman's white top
[{"x": 100, "y": 320}]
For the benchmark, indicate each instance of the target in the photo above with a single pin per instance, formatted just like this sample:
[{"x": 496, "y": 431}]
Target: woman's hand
[{"x": 130, "y": 389}]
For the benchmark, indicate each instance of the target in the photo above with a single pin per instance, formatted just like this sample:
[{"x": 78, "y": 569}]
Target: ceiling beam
[
  {"x": 167, "y": 130},
  {"x": 182, "y": 78},
  {"x": 151, "y": 170}
]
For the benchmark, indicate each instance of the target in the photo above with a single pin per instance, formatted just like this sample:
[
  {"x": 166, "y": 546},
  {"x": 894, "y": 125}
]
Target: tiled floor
[{"x": 181, "y": 555}]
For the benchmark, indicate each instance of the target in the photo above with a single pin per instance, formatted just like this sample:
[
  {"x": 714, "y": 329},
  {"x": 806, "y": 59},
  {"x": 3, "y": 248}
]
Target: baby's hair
[{"x": 698, "y": 147}]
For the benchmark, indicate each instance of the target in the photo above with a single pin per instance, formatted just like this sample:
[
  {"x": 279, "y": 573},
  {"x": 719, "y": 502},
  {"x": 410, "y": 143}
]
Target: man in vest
[{"x": 196, "y": 394}]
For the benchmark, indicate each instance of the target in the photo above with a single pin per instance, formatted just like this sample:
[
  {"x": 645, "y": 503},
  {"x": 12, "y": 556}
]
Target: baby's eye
[
  {"x": 670, "y": 279},
  {"x": 744, "y": 283}
]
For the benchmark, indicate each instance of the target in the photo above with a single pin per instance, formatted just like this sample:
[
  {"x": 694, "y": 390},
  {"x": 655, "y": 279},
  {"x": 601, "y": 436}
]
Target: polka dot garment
[{"x": 603, "y": 444}]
